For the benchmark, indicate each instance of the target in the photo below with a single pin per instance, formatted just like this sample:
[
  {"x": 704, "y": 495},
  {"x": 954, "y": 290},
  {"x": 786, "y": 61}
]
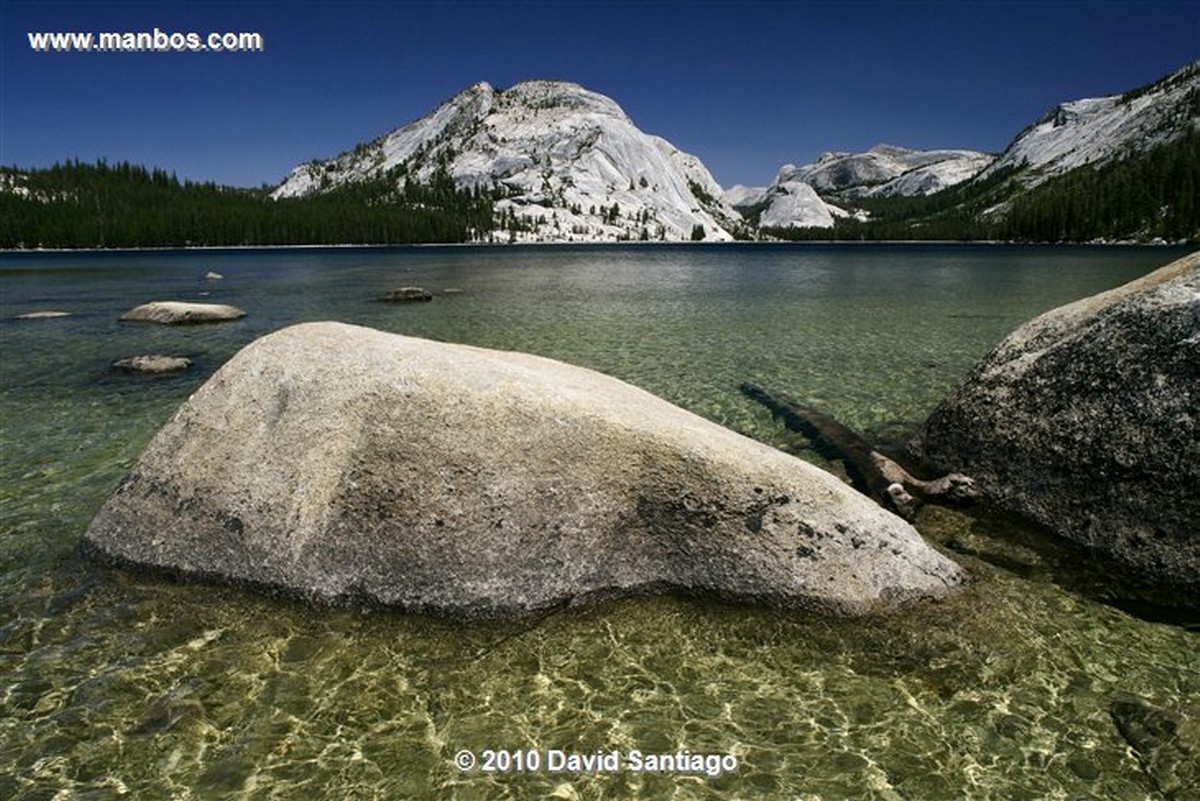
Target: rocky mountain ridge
[
  {"x": 1098, "y": 130},
  {"x": 887, "y": 170},
  {"x": 567, "y": 164},
  {"x": 815, "y": 195}
]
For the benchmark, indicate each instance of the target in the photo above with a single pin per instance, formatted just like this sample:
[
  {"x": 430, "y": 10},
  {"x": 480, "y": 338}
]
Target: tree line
[
  {"x": 1152, "y": 196},
  {"x": 1145, "y": 196},
  {"x": 78, "y": 205}
]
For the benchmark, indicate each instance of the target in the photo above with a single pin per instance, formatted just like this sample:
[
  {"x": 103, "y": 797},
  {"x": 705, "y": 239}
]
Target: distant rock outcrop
[
  {"x": 173, "y": 312},
  {"x": 887, "y": 170},
  {"x": 795, "y": 204},
  {"x": 1087, "y": 420},
  {"x": 345, "y": 464},
  {"x": 797, "y": 197}
]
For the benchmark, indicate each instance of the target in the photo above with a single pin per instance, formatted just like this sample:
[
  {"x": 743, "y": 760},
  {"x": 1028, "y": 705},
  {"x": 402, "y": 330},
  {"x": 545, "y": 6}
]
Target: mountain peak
[
  {"x": 565, "y": 96},
  {"x": 884, "y": 149},
  {"x": 566, "y": 164}
]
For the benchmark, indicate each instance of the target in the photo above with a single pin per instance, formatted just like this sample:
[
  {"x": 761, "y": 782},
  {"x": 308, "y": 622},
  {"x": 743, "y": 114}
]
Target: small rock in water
[
  {"x": 172, "y": 312},
  {"x": 153, "y": 363},
  {"x": 211, "y": 276},
  {"x": 407, "y": 294},
  {"x": 43, "y": 315}
]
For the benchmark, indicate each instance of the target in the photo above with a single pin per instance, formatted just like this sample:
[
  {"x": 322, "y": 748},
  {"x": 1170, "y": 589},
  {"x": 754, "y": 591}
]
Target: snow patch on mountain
[{"x": 568, "y": 164}]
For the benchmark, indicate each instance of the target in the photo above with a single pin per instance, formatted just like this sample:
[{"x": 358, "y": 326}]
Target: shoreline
[{"x": 681, "y": 243}]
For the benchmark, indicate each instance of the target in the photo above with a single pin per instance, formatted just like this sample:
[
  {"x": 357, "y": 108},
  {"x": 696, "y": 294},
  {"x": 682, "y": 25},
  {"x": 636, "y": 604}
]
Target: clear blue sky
[{"x": 746, "y": 86}]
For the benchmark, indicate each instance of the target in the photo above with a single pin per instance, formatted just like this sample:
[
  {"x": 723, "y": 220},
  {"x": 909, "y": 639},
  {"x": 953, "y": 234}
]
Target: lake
[{"x": 118, "y": 683}]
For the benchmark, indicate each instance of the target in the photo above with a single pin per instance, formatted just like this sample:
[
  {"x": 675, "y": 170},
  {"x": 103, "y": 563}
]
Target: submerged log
[{"x": 871, "y": 472}]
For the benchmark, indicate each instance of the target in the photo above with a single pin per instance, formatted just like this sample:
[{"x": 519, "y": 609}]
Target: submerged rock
[
  {"x": 1086, "y": 421},
  {"x": 174, "y": 312},
  {"x": 407, "y": 294},
  {"x": 344, "y": 464},
  {"x": 1166, "y": 742},
  {"x": 153, "y": 363}
]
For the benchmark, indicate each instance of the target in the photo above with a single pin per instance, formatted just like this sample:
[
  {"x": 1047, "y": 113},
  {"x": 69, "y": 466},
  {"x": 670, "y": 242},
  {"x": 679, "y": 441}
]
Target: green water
[{"x": 115, "y": 684}]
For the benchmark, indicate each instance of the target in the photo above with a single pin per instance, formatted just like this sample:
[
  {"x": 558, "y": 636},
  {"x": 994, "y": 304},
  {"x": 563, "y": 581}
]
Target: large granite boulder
[
  {"x": 349, "y": 465},
  {"x": 1087, "y": 421}
]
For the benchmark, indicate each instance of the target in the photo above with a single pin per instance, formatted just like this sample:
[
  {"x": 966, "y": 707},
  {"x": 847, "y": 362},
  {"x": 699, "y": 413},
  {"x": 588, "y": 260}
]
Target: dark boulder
[{"x": 1087, "y": 421}]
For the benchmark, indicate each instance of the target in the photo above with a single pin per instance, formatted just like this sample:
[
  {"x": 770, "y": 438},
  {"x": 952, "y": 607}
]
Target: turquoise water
[{"x": 114, "y": 683}]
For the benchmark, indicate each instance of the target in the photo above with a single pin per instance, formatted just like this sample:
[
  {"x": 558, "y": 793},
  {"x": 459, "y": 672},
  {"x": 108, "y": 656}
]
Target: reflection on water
[{"x": 114, "y": 683}]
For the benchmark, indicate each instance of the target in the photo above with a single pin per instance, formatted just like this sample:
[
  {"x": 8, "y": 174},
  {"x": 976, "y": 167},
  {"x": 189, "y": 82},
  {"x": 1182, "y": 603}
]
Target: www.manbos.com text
[{"x": 155, "y": 41}]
